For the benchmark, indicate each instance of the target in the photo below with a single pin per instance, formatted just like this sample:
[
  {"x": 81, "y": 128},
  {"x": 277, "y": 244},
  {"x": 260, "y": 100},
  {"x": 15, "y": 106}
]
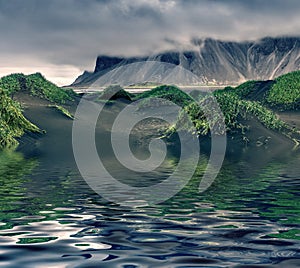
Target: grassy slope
[
  {"x": 253, "y": 98},
  {"x": 115, "y": 92},
  {"x": 282, "y": 94},
  {"x": 235, "y": 111},
  {"x": 12, "y": 122},
  {"x": 170, "y": 93},
  {"x": 36, "y": 85},
  {"x": 237, "y": 104},
  {"x": 285, "y": 92}
]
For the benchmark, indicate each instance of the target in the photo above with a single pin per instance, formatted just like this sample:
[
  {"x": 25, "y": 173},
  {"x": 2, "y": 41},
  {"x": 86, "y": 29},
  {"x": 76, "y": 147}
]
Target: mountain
[{"x": 212, "y": 61}]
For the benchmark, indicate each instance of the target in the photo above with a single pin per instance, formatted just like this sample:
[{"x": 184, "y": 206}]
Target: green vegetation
[
  {"x": 248, "y": 100},
  {"x": 36, "y": 85},
  {"x": 290, "y": 234},
  {"x": 13, "y": 124},
  {"x": 13, "y": 170},
  {"x": 235, "y": 111},
  {"x": 171, "y": 93},
  {"x": 243, "y": 102},
  {"x": 115, "y": 92},
  {"x": 285, "y": 93},
  {"x": 39, "y": 86},
  {"x": 62, "y": 110},
  {"x": 35, "y": 240},
  {"x": 245, "y": 89},
  {"x": 13, "y": 83},
  {"x": 235, "y": 108}
]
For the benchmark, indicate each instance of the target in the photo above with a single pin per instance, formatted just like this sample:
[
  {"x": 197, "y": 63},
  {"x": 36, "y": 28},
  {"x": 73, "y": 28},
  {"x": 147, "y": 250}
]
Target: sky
[{"x": 62, "y": 38}]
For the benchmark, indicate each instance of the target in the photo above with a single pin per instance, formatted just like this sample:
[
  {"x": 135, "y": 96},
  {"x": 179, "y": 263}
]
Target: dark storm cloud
[{"x": 73, "y": 32}]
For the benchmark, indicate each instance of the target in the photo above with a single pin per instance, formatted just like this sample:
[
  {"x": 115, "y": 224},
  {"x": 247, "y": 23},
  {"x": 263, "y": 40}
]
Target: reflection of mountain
[{"x": 217, "y": 62}]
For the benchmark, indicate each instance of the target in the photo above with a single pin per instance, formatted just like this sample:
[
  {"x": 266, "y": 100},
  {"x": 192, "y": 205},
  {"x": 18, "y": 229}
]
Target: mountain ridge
[{"x": 217, "y": 62}]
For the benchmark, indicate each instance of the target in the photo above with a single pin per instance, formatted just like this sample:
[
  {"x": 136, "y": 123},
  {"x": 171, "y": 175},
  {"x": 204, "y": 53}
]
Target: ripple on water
[{"x": 57, "y": 221}]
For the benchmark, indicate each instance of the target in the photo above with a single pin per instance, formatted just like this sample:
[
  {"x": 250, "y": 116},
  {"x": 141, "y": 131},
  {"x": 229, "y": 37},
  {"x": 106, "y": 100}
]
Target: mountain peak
[{"x": 217, "y": 62}]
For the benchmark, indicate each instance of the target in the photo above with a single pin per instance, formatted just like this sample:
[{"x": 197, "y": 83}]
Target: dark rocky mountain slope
[{"x": 215, "y": 62}]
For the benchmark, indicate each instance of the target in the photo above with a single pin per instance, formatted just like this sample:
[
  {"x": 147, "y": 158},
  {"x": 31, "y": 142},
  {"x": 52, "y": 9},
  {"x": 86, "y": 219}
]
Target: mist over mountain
[{"x": 214, "y": 61}]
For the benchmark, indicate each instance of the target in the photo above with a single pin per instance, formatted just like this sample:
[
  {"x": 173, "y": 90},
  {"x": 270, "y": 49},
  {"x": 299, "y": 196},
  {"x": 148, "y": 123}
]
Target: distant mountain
[{"x": 215, "y": 62}]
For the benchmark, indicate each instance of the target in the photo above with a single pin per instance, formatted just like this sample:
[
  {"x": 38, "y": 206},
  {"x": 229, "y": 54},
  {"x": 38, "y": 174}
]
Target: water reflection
[{"x": 49, "y": 217}]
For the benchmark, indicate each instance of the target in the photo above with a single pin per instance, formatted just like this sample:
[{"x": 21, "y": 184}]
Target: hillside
[
  {"x": 35, "y": 85},
  {"x": 283, "y": 93},
  {"x": 13, "y": 124},
  {"x": 18, "y": 91},
  {"x": 254, "y": 103},
  {"x": 244, "y": 107},
  {"x": 214, "y": 61}
]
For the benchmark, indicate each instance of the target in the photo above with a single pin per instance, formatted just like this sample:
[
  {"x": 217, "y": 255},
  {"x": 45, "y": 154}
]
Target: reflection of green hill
[
  {"x": 25, "y": 191},
  {"x": 242, "y": 186},
  {"x": 13, "y": 168}
]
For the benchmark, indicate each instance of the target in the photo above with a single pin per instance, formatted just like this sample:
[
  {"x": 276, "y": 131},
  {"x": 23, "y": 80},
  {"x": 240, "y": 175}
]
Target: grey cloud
[{"x": 74, "y": 32}]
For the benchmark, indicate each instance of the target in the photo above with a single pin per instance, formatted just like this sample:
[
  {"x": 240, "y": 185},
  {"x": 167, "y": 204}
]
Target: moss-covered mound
[
  {"x": 22, "y": 87},
  {"x": 238, "y": 111},
  {"x": 283, "y": 93},
  {"x": 171, "y": 93},
  {"x": 114, "y": 93},
  {"x": 13, "y": 124},
  {"x": 36, "y": 85},
  {"x": 235, "y": 110}
]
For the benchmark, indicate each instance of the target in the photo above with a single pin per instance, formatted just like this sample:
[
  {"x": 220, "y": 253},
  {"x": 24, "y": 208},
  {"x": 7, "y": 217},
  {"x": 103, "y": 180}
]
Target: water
[{"x": 50, "y": 218}]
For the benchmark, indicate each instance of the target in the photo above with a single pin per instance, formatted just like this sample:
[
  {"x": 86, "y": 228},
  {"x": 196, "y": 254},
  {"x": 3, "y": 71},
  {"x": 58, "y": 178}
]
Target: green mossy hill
[
  {"x": 171, "y": 93},
  {"x": 237, "y": 111},
  {"x": 283, "y": 93},
  {"x": 36, "y": 85},
  {"x": 13, "y": 124},
  {"x": 115, "y": 92},
  {"x": 252, "y": 90}
]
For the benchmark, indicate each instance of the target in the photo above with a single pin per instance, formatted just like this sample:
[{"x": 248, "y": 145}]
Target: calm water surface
[{"x": 249, "y": 217}]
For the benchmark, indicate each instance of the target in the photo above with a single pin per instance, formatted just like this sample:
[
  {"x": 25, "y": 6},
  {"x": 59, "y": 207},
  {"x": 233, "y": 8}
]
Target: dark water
[
  {"x": 249, "y": 217},
  {"x": 51, "y": 218}
]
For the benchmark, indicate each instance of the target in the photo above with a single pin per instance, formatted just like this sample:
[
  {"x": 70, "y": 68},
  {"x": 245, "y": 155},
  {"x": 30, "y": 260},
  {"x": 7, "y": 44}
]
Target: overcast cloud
[{"x": 61, "y": 38}]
